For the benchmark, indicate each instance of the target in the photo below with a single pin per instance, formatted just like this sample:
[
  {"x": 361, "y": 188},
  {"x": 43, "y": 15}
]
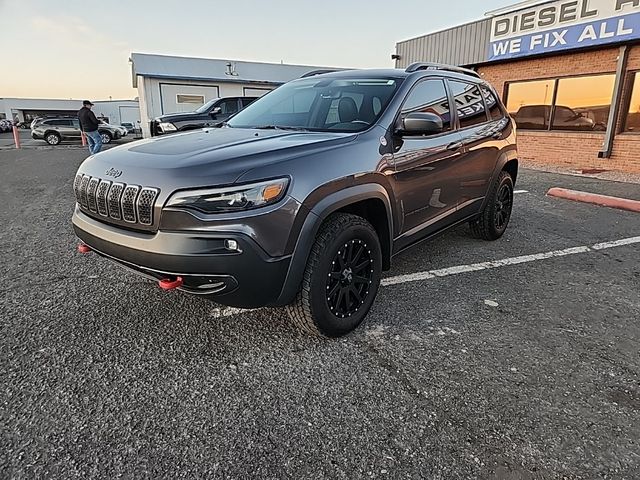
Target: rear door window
[{"x": 469, "y": 103}]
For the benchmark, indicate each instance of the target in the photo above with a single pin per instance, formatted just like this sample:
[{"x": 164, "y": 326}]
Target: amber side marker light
[{"x": 272, "y": 192}]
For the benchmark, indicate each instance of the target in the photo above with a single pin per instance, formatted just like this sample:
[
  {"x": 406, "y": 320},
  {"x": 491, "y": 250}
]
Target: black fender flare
[
  {"x": 315, "y": 217},
  {"x": 504, "y": 158}
]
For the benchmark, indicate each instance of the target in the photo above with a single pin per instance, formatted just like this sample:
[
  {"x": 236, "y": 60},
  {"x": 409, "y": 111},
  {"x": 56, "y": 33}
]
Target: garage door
[
  {"x": 185, "y": 98},
  {"x": 255, "y": 92},
  {"x": 130, "y": 114}
]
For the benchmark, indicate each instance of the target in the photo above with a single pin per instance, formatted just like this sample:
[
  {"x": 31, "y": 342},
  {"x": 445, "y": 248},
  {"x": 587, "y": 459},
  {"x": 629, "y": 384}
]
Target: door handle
[{"x": 454, "y": 146}]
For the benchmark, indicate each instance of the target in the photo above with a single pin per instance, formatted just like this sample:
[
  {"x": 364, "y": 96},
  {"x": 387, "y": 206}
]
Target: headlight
[
  {"x": 231, "y": 199},
  {"x": 167, "y": 127}
]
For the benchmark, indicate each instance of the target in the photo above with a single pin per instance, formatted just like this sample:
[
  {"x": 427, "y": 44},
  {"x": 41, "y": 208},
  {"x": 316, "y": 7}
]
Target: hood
[
  {"x": 202, "y": 158},
  {"x": 178, "y": 117}
]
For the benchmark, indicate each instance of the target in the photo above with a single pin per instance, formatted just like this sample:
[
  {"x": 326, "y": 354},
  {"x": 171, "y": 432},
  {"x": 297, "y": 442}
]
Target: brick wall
[{"x": 572, "y": 149}]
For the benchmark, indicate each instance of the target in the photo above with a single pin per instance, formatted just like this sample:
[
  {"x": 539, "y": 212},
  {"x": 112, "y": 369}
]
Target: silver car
[{"x": 55, "y": 130}]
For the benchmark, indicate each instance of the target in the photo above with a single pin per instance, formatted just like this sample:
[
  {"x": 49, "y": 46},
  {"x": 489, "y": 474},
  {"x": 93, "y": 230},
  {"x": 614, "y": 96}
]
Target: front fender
[{"x": 317, "y": 214}]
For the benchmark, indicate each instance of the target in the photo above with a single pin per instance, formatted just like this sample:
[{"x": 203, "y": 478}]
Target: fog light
[{"x": 231, "y": 245}]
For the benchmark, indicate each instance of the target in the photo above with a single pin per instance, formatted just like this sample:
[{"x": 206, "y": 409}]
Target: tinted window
[
  {"x": 526, "y": 102},
  {"x": 469, "y": 103},
  {"x": 228, "y": 106},
  {"x": 632, "y": 123},
  {"x": 583, "y": 103},
  {"x": 492, "y": 103},
  {"x": 429, "y": 96},
  {"x": 247, "y": 101},
  {"x": 60, "y": 123}
]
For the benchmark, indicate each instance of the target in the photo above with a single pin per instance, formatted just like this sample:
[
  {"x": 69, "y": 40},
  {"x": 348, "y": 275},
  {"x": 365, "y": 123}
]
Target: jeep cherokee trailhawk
[{"x": 303, "y": 198}]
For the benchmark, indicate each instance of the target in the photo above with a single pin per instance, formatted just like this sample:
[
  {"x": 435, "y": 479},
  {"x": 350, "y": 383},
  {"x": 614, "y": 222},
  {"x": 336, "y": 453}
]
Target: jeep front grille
[{"x": 131, "y": 203}]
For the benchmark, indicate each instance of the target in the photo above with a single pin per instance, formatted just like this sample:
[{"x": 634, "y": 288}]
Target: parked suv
[
  {"x": 303, "y": 198},
  {"x": 210, "y": 114},
  {"x": 55, "y": 130}
]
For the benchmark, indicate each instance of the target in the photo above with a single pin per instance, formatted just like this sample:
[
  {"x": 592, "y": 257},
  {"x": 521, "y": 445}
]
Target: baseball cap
[{"x": 87, "y": 102}]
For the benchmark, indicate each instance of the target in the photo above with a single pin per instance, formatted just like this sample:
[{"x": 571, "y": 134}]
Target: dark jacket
[{"x": 88, "y": 120}]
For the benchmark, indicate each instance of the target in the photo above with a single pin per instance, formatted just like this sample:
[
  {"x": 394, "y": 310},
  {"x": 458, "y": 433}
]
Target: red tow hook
[
  {"x": 84, "y": 248},
  {"x": 170, "y": 283}
]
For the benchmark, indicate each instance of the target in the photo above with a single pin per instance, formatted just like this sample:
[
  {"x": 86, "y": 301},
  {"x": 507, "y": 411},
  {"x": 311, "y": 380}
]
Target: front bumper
[{"x": 248, "y": 278}]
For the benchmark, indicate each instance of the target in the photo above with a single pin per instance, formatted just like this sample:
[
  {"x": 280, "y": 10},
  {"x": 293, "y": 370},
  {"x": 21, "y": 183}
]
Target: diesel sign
[{"x": 563, "y": 25}]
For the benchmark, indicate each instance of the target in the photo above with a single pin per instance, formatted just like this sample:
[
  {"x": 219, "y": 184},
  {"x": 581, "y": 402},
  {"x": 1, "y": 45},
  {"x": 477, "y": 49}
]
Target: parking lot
[{"x": 522, "y": 369}]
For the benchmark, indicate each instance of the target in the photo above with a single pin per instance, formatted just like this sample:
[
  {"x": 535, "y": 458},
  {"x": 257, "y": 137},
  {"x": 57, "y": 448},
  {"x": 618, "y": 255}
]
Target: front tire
[
  {"x": 52, "y": 138},
  {"x": 494, "y": 218},
  {"x": 341, "y": 279}
]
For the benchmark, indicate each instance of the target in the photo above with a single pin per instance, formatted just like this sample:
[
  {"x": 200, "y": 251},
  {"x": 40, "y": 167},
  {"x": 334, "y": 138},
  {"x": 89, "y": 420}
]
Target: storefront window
[
  {"x": 529, "y": 103},
  {"x": 633, "y": 115},
  {"x": 583, "y": 103}
]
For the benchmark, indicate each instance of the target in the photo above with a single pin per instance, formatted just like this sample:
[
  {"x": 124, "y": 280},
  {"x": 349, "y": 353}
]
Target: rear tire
[
  {"x": 341, "y": 279},
  {"x": 494, "y": 218},
  {"x": 52, "y": 138}
]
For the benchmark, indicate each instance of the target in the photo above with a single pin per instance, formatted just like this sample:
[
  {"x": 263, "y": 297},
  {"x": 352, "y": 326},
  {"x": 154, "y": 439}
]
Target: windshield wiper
[{"x": 281, "y": 127}]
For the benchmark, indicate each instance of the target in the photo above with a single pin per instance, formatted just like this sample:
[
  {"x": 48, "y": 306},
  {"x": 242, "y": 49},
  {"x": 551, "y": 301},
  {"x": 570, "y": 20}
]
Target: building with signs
[{"x": 568, "y": 71}]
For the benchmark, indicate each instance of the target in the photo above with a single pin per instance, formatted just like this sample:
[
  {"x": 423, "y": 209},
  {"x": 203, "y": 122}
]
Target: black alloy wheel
[
  {"x": 341, "y": 278},
  {"x": 494, "y": 217},
  {"x": 350, "y": 278},
  {"x": 504, "y": 204}
]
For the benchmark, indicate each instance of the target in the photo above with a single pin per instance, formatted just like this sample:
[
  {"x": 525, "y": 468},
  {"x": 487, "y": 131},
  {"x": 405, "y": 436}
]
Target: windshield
[
  {"x": 317, "y": 104},
  {"x": 206, "y": 106}
]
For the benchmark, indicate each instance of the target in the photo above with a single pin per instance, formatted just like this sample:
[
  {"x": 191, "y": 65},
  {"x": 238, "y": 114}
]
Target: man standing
[{"x": 89, "y": 125}]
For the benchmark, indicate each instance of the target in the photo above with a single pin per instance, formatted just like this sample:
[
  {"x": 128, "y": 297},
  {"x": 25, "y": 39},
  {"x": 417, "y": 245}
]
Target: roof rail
[
  {"x": 313, "y": 73},
  {"x": 414, "y": 67}
]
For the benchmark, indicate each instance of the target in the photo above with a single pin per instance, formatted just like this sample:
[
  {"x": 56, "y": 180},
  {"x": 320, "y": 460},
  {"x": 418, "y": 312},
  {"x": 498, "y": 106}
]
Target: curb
[{"x": 595, "y": 199}]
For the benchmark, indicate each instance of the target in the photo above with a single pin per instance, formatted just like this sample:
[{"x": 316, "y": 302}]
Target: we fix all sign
[{"x": 563, "y": 25}]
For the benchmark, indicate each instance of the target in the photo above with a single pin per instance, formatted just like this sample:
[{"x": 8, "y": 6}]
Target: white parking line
[
  {"x": 220, "y": 312},
  {"x": 474, "y": 267},
  {"x": 521, "y": 191}
]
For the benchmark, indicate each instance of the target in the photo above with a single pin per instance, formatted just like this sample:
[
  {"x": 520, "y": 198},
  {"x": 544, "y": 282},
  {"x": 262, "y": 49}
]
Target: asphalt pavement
[{"x": 519, "y": 371}]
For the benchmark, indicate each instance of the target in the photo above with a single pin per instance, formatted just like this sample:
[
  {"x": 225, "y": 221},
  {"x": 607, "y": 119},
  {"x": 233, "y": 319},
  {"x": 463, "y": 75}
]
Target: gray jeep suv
[{"x": 303, "y": 198}]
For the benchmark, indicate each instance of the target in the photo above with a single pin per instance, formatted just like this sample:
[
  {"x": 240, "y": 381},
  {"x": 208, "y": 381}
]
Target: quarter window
[
  {"x": 495, "y": 112},
  {"x": 429, "y": 96},
  {"x": 469, "y": 104}
]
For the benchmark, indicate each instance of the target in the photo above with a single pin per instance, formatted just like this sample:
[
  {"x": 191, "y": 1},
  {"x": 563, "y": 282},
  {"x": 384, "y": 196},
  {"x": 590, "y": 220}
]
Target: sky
[{"x": 81, "y": 49}]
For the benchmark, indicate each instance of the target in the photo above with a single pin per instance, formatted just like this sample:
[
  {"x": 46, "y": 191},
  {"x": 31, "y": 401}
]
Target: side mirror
[
  {"x": 216, "y": 111},
  {"x": 419, "y": 123}
]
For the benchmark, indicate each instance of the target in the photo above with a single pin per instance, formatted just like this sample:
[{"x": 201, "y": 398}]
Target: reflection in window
[
  {"x": 529, "y": 103},
  {"x": 632, "y": 123},
  {"x": 469, "y": 103},
  {"x": 583, "y": 103},
  {"x": 429, "y": 96},
  {"x": 492, "y": 103}
]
